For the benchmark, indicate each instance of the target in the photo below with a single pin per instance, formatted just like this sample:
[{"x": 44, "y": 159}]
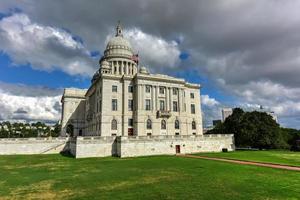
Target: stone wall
[
  {"x": 10, "y": 146},
  {"x": 159, "y": 145},
  {"x": 122, "y": 146},
  {"x": 94, "y": 147}
]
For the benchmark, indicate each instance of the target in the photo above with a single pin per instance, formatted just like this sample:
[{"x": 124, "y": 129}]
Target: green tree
[{"x": 253, "y": 129}]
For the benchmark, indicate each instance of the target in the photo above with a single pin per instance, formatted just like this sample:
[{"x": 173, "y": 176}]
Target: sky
[{"x": 244, "y": 53}]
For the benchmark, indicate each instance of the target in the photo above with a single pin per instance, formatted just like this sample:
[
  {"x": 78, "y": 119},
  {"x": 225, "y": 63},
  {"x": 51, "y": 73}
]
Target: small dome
[
  {"x": 104, "y": 64},
  {"x": 143, "y": 70}
]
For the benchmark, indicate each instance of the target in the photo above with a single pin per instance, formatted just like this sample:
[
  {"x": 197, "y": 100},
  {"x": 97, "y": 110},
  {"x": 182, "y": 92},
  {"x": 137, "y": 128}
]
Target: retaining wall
[
  {"x": 159, "y": 145},
  {"x": 10, "y": 146},
  {"x": 95, "y": 146},
  {"x": 122, "y": 146}
]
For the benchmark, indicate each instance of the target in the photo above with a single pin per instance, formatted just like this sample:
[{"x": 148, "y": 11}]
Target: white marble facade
[{"x": 126, "y": 100}]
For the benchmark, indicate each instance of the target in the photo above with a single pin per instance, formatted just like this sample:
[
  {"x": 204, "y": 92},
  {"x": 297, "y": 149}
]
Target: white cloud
[
  {"x": 211, "y": 109},
  {"x": 284, "y": 101},
  {"x": 28, "y": 107},
  {"x": 155, "y": 52},
  {"x": 251, "y": 48},
  {"x": 44, "y": 47},
  {"x": 208, "y": 101}
]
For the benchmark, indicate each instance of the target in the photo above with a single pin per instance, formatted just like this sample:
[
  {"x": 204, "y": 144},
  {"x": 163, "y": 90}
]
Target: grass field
[
  {"x": 160, "y": 177},
  {"x": 278, "y": 157}
]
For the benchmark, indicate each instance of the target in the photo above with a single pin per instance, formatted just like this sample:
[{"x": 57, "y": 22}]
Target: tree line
[
  {"x": 25, "y": 130},
  {"x": 257, "y": 130}
]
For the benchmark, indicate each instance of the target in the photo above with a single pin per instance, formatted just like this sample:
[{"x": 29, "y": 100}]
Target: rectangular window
[
  {"x": 114, "y": 88},
  {"x": 130, "y": 88},
  {"x": 148, "y": 88},
  {"x": 161, "y": 105},
  {"x": 192, "y": 95},
  {"x": 114, "y": 104},
  {"x": 130, "y": 122},
  {"x": 148, "y": 104},
  {"x": 175, "y": 106},
  {"x": 175, "y": 91},
  {"x": 193, "y": 109},
  {"x": 130, "y": 104},
  {"x": 161, "y": 90}
]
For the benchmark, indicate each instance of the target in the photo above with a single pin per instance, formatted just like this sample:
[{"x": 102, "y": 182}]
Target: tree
[
  {"x": 252, "y": 129},
  {"x": 56, "y": 131}
]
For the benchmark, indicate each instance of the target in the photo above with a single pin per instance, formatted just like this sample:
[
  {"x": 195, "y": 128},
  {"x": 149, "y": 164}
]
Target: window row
[
  {"x": 114, "y": 88},
  {"x": 163, "y": 125},
  {"x": 148, "y": 105},
  {"x": 148, "y": 90}
]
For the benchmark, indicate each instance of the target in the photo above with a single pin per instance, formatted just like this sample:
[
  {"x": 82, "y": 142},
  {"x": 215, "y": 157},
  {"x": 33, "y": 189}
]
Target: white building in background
[
  {"x": 125, "y": 101},
  {"x": 226, "y": 112}
]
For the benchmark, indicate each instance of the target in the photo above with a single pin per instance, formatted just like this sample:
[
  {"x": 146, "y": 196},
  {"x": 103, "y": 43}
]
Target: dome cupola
[
  {"x": 118, "y": 46},
  {"x": 118, "y": 58}
]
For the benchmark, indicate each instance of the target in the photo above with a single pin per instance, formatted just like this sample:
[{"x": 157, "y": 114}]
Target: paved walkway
[{"x": 276, "y": 166}]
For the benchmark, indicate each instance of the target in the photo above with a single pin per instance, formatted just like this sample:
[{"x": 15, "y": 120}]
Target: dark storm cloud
[
  {"x": 250, "y": 48},
  {"x": 250, "y": 36},
  {"x": 28, "y": 91}
]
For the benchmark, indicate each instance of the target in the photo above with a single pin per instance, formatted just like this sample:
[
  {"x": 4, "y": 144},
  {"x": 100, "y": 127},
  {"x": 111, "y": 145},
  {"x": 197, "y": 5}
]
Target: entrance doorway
[{"x": 177, "y": 149}]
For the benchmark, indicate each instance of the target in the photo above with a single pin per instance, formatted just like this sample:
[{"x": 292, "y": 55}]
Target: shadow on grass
[{"x": 66, "y": 154}]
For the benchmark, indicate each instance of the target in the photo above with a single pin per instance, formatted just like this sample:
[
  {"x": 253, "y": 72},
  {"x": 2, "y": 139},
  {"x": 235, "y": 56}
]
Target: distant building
[{"x": 226, "y": 112}]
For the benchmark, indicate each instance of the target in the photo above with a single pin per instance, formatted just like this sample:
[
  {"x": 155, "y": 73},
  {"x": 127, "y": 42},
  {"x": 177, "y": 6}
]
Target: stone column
[
  {"x": 167, "y": 99},
  {"x": 127, "y": 68},
  {"x": 139, "y": 95},
  {"x": 179, "y": 99},
  {"x": 170, "y": 99},
  {"x": 156, "y": 98},
  {"x": 117, "y": 67},
  {"x": 152, "y": 98},
  {"x": 122, "y": 67},
  {"x": 142, "y": 96}
]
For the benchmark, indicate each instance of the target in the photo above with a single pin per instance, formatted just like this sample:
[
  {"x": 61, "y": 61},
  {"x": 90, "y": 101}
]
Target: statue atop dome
[{"x": 119, "y": 30}]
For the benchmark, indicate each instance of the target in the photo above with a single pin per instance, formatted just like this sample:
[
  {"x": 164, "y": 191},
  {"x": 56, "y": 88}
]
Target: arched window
[
  {"x": 163, "y": 124},
  {"x": 176, "y": 124},
  {"x": 193, "y": 125},
  {"x": 114, "y": 125},
  {"x": 149, "y": 124}
]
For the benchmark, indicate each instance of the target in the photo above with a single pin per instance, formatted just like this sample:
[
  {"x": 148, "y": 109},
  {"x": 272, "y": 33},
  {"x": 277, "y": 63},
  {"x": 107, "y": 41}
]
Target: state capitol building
[{"x": 125, "y": 100}]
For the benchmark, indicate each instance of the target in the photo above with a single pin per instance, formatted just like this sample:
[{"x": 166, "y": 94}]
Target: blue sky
[
  {"x": 25, "y": 74},
  {"x": 242, "y": 55}
]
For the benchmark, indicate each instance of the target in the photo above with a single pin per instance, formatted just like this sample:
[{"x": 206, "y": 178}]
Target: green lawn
[
  {"x": 275, "y": 156},
  {"x": 159, "y": 177}
]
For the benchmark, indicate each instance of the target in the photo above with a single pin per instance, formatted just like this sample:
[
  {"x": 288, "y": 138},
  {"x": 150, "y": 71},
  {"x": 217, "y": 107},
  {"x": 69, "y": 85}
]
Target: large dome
[
  {"x": 118, "y": 46},
  {"x": 118, "y": 42}
]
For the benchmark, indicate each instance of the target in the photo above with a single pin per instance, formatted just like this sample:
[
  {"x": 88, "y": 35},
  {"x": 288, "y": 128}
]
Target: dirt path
[{"x": 276, "y": 166}]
